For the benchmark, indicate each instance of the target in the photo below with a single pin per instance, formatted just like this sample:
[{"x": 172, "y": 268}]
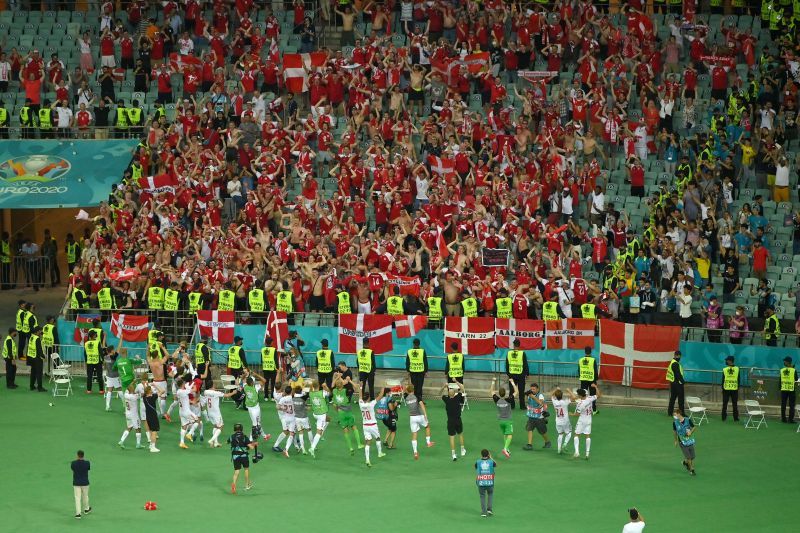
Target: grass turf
[{"x": 744, "y": 480}]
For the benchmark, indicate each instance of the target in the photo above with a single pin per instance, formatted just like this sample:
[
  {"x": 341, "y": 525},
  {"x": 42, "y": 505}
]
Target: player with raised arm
[
  {"x": 211, "y": 399},
  {"x": 157, "y": 357},
  {"x": 301, "y": 417},
  {"x": 319, "y": 408},
  {"x": 584, "y": 412},
  {"x": 418, "y": 419},
  {"x": 253, "y": 383},
  {"x": 504, "y": 415},
  {"x": 286, "y": 406},
  {"x": 453, "y": 404},
  {"x": 561, "y": 408},
  {"x": 132, "y": 420},
  {"x": 341, "y": 401},
  {"x": 188, "y": 420},
  {"x": 369, "y": 422}
]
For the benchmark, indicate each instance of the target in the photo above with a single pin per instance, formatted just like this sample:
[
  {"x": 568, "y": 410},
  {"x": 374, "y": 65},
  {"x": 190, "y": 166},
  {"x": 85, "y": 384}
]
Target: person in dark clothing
[
  {"x": 366, "y": 368},
  {"x": 240, "y": 455},
  {"x": 9, "y": 356},
  {"x": 35, "y": 354},
  {"x": 676, "y": 383},
  {"x": 788, "y": 385},
  {"x": 417, "y": 367},
  {"x": 730, "y": 388},
  {"x": 517, "y": 370},
  {"x": 453, "y": 404},
  {"x": 80, "y": 484}
]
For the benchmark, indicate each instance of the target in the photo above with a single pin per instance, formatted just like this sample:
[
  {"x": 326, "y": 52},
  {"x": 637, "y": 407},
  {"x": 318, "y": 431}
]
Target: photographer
[
  {"x": 537, "y": 416},
  {"x": 636, "y": 525},
  {"x": 240, "y": 455}
]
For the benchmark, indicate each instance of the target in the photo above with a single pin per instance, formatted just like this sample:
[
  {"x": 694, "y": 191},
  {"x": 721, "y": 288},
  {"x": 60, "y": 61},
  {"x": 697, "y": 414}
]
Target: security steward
[
  {"x": 325, "y": 364},
  {"x": 454, "y": 367},
  {"x": 503, "y": 306},
  {"x": 36, "y": 359},
  {"x": 435, "y": 312},
  {"x": 49, "y": 335},
  {"x": 23, "y": 337},
  {"x": 587, "y": 372},
  {"x": 517, "y": 369},
  {"x": 366, "y": 368},
  {"x": 155, "y": 300},
  {"x": 588, "y": 310},
  {"x": 202, "y": 360},
  {"x": 469, "y": 306},
  {"x": 94, "y": 362},
  {"x": 269, "y": 367},
  {"x": 9, "y": 356},
  {"x": 417, "y": 366},
  {"x": 236, "y": 358},
  {"x": 257, "y": 302},
  {"x": 394, "y": 303},
  {"x": 676, "y": 382},
  {"x": 226, "y": 300},
  {"x": 550, "y": 311},
  {"x": 344, "y": 304},
  {"x": 284, "y": 302},
  {"x": 730, "y": 388},
  {"x": 29, "y": 320},
  {"x": 788, "y": 385},
  {"x": 772, "y": 327}
]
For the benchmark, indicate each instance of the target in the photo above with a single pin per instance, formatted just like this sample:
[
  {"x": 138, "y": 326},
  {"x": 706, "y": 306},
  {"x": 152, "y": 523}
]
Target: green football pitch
[{"x": 746, "y": 479}]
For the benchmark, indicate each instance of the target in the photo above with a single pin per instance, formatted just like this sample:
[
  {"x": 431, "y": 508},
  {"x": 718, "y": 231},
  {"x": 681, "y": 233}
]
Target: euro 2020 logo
[{"x": 33, "y": 170}]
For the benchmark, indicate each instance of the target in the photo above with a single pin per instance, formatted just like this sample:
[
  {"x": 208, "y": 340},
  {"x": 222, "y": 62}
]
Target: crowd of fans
[{"x": 338, "y": 189}]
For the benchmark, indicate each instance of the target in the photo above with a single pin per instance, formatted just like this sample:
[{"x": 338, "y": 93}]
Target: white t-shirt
[
  {"x": 212, "y": 401},
  {"x": 685, "y": 306},
  {"x": 183, "y": 400},
  {"x": 782, "y": 176},
  {"x": 367, "y": 412},
  {"x": 584, "y": 408},
  {"x": 560, "y": 407},
  {"x": 633, "y": 527},
  {"x": 286, "y": 405},
  {"x": 131, "y": 405}
]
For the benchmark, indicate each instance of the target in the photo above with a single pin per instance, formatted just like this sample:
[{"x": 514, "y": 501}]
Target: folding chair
[
  {"x": 62, "y": 382},
  {"x": 396, "y": 389},
  {"x": 696, "y": 408},
  {"x": 228, "y": 385},
  {"x": 754, "y": 411},
  {"x": 465, "y": 405},
  {"x": 56, "y": 364}
]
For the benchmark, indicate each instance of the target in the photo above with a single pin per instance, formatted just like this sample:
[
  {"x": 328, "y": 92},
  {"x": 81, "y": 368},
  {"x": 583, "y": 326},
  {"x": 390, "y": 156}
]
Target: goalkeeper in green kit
[
  {"x": 123, "y": 366},
  {"x": 345, "y": 411}
]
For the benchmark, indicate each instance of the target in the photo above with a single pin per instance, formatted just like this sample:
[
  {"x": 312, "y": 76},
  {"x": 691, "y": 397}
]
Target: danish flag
[
  {"x": 637, "y": 355},
  {"x": 409, "y": 325},
  {"x": 218, "y": 325}
]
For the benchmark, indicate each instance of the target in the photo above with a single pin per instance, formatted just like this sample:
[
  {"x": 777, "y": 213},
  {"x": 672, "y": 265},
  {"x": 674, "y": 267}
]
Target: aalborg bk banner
[
  {"x": 570, "y": 333},
  {"x": 529, "y": 333}
]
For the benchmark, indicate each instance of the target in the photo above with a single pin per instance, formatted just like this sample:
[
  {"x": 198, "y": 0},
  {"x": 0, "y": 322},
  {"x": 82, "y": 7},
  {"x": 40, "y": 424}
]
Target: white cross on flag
[
  {"x": 218, "y": 325},
  {"x": 529, "y": 333},
  {"x": 132, "y": 328},
  {"x": 442, "y": 166},
  {"x": 353, "y": 329},
  {"x": 277, "y": 328},
  {"x": 570, "y": 334},
  {"x": 409, "y": 325},
  {"x": 637, "y": 355},
  {"x": 474, "y": 336}
]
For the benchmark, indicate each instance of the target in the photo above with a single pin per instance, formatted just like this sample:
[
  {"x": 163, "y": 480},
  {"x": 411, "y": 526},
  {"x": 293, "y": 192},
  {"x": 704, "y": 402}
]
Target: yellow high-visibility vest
[
  {"x": 730, "y": 376},
  {"x": 171, "y": 300},
  {"x": 586, "y": 369},
  {"x": 343, "y": 305},
  {"x": 365, "y": 361},
  {"x": 32, "y": 346},
  {"x": 670, "y": 373},
  {"x": 235, "y": 357},
  {"x": 48, "y": 335},
  {"x": 504, "y": 307},
  {"x": 256, "y": 300},
  {"x": 455, "y": 368},
  {"x": 13, "y": 353},
  {"x": 104, "y": 299},
  {"x": 199, "y": 356},
  {"x": 550, "y": 311},
  {"x": 416, "y": 361},
  {"x": 92, "y": 352},
  {"x": 325, "y": 361},
  {"x": 470, "y": 307},
  {"x": 394, "y": 305},
  {"x": 226, "y": 299},
  {"x": 284, "y": 302},
  {"x": 515, "y": 363},
  {"x": 268, "y": 359},
  {"x": 435, "y": 308},
  {"x": 788, "y": 378},
  {"x": 155, "y": 298},
  {"x": 194, "y": 302},
  {"x": 588, "y": 311}
]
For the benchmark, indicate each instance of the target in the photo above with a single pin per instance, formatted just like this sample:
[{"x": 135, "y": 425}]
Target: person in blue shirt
[
  {"x": 757, "y": 219},
  {"x": 683, "y": 430},
  {"x": 484, "y": 478},
  {"x": 80, "y": 484},
  {"x": 642, "y": 264},
  {"x": 744, "y": 240}
]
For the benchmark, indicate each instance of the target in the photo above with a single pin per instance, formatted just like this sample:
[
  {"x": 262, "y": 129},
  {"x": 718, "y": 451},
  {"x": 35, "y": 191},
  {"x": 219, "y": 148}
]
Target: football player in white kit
[
  {"x": 286, "y": 410},
  {"x": 301, "y": 418},
  {"x": 561, "y": 408},
  {"x": 132, "y": 420},
  {"x": 211, "y": 399},
  {"x": 584, "y": 413},
  {"x": 188, "y": 420},
  {"x": 369, "y": 422},
  {"x": 142, "y": 411}
]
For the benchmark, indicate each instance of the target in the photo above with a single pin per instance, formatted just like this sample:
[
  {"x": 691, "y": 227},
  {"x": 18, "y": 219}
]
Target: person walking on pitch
[
  {"x": 418, "y": 419},
  {"x": 132, "y": 419},
  {"x": 584, "y": 412},
  {"x": 80, "y": 484},
  {"x": 537, "y": 416},
  {"x": 683, "y": 430},
  {"x": 561, "y": 408},
  {"x": 484, "y": 478},
  {"x": 453, "y": 403},
  {"x": 369, "y": 422},
  {"x": 319, "y": 408},
  {"x": 386, "y": 411},
  {"x": 504, "y": 410},
  {"x": 240, "y": 456}
]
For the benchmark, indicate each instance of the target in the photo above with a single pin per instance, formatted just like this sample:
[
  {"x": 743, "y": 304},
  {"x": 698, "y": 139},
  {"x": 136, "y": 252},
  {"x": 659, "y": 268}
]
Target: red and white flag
[
  {"x": 448, "y": 69},
  {"x": 126, "y": 274},
  {"x": 218, "y": 325},
  {"x": 476, "y": 62},
  {"x": 297, "y": 66},
  {"x": 179, "y": 61},
  {"x": 277, "y": 328},
  {"x": 158, "y": 184},
  {"x": 570, "y": 334},
  {"x": 274, "y": 53},
  {"x": 132, "y": 328},
  {"x": 475, "y": 336},
  {"x": 353, "y": 329},
  {"x": 442, "y": 166},
  {"x": 409, "y": 325},
  {"x": 441, "y": 243},
  {"x": 407, "y": 284},
  {"x": 529, "y": 333},
  {"x": 637, "y": 355}
]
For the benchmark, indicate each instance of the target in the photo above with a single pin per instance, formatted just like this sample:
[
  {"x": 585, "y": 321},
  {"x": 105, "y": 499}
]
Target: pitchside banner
[{"x": 45, "y": 174}]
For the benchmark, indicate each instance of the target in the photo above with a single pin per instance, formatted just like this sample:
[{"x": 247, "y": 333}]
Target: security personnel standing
[
  {"x": 36, "y": 359},
  {"x": 94, "y": 363},
  {"x": 3, "y": 121},
  {"x": 100, "y": 335},
  {"x": 202, "y": 359},
  {"x": 435, "y": 309},
  {"x": 172, "y": 298},
  {"x": 269, "y": 367},
  {"x": 325, "y": 364},
  {"x": 23, "y": 337},
  {"x": 9, "y": 356},
  {"x": 589, "y": 310},
  {"x": 550, "y": 311},
  {"x": 121, "y": 120},
  {"x": 730, "y": 388},
  {"x": 788, "y": 385},
  {"x": 78, "y": 298},
  {"x": 284, "y": 302},
  {"x": 417, "y": 366},
  {"x": 49, "y": 335},
  {"x": 29, "y": 320},
  {"x": 587, "y": 372},
  {"x": 135, "y": 119},
  {"x": 772, "y": 327},
  {"x": 469, "y": 306},
  {"x": 73, "y": 251},
  {"x": 517, "y": 369},
  {"x": 155, "y": 300},
  {"x": 26, "y": 119},
  {"x": 503, "y": 305},
  {"x": 105, "y": 300},
  {"x": 195, "y": 299},
  {"x": 236, "y": 358},
  {"x": 676, "y": 382},
  {"x": 5, "y": 261},
  {"x": 394, "y": 303},
  {"x": 226, "y": 300},
  {"x": 344, "y": 305},
  {"x": 454, "y": 367},
  {"x": 45, "y": 120},
  {"x": 366, "y": 368},
  {"x": 256, "y": 302}
]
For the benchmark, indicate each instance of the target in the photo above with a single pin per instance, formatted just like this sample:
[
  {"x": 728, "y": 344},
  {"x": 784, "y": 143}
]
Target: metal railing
[{"x": 31, "y": 271}]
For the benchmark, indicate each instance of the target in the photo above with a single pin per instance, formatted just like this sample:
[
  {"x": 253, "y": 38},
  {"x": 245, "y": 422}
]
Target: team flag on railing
[
  {"x": 529, "y": 333},
  {"x": 277, "y": 328},
  {"x": 570, "y": 334},
  {"x": 354, "y": 328},
  {"x": 637, "y": 355},
  {"x": 475, "y": 336},
  {"x": 83, "y": 324},
  {"x": 406, "y": 284},
  {"x": 409, "y": 325},
  {"x": 216, "y": 324},
  {"x": 132, "y": 328}
]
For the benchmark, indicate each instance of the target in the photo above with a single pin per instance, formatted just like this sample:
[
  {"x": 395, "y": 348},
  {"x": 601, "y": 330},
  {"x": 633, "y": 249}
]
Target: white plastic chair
[
  {"x": 396, "y": 389},
  {"x": 695, "y": 405},
  {"x": 228, "y": 385},
  {"x": 62, "y": 382},
  {"x": 56, "y": 363},
  {"x": 755, "y": 415}
]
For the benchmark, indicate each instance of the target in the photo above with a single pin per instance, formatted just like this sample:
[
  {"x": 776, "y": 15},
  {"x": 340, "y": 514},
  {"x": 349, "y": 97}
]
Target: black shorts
[
  {"x": 241, "y": 462},
  {"x": 316, "y": 303},
  {"x": 153, "y": 423},
  {"x": 455, "y": 427},
  {"x": 416, "y": 96},
  {"x": 390, "y": 423},
  {"x": 538, "y": 424}
]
